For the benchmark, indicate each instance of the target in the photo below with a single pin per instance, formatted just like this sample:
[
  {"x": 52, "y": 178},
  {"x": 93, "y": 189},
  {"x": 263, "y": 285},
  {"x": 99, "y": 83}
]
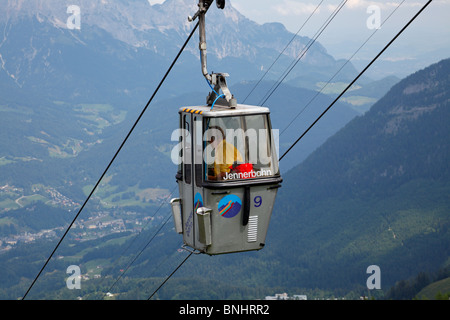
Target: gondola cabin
[{"x": 228, "y": 178}]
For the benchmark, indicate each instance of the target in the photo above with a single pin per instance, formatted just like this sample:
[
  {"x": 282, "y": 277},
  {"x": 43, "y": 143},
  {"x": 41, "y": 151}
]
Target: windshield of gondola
[{"x": 239, "y": 147}]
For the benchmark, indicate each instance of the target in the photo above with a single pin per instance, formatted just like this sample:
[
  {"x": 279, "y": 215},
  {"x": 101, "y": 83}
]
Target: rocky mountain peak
[{"x": 136, "y": 22}]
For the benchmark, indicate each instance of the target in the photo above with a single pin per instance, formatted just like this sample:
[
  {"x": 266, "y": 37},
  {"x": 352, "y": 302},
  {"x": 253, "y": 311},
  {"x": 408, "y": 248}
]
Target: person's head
[{"x": 215, "y": 135}]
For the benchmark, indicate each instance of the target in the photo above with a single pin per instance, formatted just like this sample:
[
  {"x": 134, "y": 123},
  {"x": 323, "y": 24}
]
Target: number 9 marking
[{"x": 257, "y": 201}]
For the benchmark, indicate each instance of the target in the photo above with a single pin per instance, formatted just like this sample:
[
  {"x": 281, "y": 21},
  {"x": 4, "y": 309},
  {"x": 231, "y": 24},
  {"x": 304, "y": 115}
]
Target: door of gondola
[{"x": 189, "y": 179}]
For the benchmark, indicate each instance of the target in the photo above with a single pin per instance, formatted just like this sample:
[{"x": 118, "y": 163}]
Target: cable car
[{"x": 228, "y": 173}]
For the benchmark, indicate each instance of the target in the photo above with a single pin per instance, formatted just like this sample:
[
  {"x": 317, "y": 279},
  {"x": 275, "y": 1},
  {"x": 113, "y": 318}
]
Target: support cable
[
  {"x": 323, "y": 113},
  {"x": 292, "y": 66},
  {"x": 140, "y": 252},
  {"x": 340, "y": 69},
  {"x": 302, "y": 53},
  {"x": 164, "y": 282},
  {"x": 114, "y": 157},
  {"x": 135, "y": 238}
]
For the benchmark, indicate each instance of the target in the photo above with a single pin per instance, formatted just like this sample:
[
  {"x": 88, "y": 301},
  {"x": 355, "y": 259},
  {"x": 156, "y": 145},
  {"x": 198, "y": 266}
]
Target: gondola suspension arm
[{"x": 217, "y": 80}]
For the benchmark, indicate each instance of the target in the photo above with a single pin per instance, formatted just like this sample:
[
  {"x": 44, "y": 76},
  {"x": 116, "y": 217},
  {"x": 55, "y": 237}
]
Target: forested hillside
[{"x": 377, "y": 192}]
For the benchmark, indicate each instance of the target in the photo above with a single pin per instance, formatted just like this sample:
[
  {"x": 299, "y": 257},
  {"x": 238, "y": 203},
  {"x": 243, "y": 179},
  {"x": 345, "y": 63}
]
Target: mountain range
[
  {"x": 377, "y": 192},
  {"x": 71, "y": 95}
]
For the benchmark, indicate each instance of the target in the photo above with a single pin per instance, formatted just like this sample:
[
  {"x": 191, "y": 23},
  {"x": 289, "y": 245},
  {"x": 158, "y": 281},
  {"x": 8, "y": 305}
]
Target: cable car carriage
[{"x": 228, "y": 173}]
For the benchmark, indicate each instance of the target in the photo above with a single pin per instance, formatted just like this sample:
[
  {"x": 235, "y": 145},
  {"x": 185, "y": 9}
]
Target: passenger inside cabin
[{"x": 226, "y": 156}]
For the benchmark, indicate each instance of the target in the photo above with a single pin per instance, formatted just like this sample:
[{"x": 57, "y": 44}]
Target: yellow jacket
[{"x": 226, "y": 155}]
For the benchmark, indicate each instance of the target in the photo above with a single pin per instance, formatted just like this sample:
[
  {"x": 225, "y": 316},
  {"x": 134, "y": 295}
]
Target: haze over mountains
[
  {"x": 103, "y": 74},
  {"x": 68, "y": 98}
]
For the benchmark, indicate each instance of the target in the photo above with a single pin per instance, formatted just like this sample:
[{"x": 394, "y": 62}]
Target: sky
[
  {"x": 434, "y": 23},
  {"x": 426, "y": 41}
]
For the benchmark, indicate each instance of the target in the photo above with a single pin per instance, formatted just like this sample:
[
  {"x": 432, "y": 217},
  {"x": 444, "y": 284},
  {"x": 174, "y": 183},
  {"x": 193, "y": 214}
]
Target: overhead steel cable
[
  {"x": 340, "y": 69},
  {"x": 323, "y": 113},
  {"x": 293, "y": 64},
  {"x": 357, "y": 77},
  {"x": 302, "y": 53},
  {"x": 140, "y": 252},
  {"x": 114, "y": 157}
]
